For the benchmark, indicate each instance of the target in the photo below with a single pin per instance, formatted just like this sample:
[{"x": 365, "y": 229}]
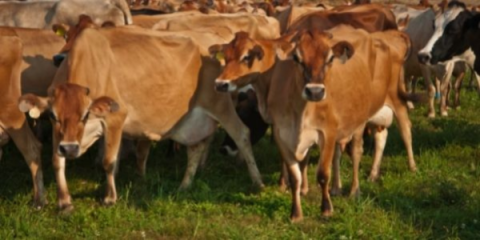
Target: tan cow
[
  {"x": 325, "y": 97},
  {"x": 12, "y": 122},
  {"x": 96, "y": 92},
  {"x": 44, "y": 14}
]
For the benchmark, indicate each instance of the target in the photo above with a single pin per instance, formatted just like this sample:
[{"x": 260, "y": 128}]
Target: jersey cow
[
  {"x": 312, "y": 99},
  {"x": 13, "y": 123},
  {"x": 96, "y": 92}
]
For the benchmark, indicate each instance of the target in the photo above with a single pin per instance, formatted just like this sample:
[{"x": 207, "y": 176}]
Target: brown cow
[
  {"x": 96, "y": 92},
  {"x": 370, "y": 17},
  {"x": 314, "y": 101},
  {"x": 12, "y": 122}
]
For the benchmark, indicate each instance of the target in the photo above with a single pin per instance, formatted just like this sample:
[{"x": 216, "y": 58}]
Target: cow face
[
  {"x": 315, "y": 54},
  {"x": 448, "y": 39},
  {"x": 242, "y": 59},
  {"x": 70, "y": 108}
]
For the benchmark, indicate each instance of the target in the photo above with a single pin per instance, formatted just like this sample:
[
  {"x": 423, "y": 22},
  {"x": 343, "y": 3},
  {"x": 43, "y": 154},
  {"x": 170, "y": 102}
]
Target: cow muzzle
[
  {"x": 314, "y": 92},
  {"x": 424, "y": 58},
  {"x": 58, "y": 59},
  {"x": 224, "y": 86},
  {"x": 69, "y": 149}
]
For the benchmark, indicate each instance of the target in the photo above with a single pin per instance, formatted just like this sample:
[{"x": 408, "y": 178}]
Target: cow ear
[
  {"x": 285, "y": 46},
  {"x": 103, "y": 106},
  {"x": 32, "y": 104},
  {"x": 216, "y": 52},
  {"x": 60, "y": 30},
  {"x": 343, "y": 51}
]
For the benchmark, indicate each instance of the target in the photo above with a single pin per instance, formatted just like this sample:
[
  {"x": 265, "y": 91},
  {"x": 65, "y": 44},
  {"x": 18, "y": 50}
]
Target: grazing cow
[
  {"x": 43, "y": 14},
  {"x": 448, "y": 33},
  {"x": 457, "y": 35},
  {"x": 13, "y": 123},
  {"x": 312, "y": 100},
  {"x": 96, "y": 92}
]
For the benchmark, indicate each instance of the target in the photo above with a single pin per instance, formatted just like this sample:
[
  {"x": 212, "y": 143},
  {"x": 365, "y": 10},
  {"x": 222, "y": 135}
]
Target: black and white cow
[{"x": 456, "y": 37}]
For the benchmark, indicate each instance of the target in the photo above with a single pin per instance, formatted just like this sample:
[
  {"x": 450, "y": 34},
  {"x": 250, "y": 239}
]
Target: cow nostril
[
  {"x": 315, "y": 93},
  {"x": 423, "y": 58},
  {"x": 221, "y": 86},
  {"x": 58, "y": 59},
  {"x": 68, "y": 150}
]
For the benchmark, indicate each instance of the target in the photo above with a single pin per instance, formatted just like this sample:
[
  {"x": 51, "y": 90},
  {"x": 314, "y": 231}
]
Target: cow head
[
  {"x": 70, "y": 108},
  {"x": 243, "y": 58},
  {"x": 70, "y": 34},
  {"x": 315, "y": 53},
  {"x": 448, "y": 39}
]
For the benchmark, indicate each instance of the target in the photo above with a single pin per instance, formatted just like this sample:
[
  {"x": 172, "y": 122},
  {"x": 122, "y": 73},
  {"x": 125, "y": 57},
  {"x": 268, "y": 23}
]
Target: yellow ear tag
[
  {"x": 60, "y": 32},
  {"x": 34, "y": 113},
  {"x": 220, "y": 56}
]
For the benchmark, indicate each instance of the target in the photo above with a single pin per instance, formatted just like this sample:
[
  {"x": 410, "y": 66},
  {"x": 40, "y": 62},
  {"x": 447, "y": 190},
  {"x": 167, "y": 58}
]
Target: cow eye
[
  {"x": 247, "y": 58},
  {"x": 52, "y": 116}
]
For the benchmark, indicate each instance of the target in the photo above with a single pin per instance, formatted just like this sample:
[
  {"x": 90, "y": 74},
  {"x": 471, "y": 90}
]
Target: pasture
[{"x": 440, "y": 201}]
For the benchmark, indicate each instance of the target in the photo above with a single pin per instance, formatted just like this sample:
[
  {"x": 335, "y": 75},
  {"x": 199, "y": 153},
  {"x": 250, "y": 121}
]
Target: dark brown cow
[
  {"x": 13, "y": 123},
  {"x": 326, "y": 98},
  {"x": 96, "y": 92}
]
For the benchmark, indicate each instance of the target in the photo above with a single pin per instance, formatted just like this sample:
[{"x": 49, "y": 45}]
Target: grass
[{"x": 440, "y": 201}]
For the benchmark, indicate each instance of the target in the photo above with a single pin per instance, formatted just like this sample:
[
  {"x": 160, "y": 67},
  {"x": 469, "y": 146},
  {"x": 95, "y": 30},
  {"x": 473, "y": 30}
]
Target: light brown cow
[
  {"x": 96, "y": 92},
  {"x": 43, "y": 14},
  {"x": 12, "y": 122},
  {"x": 319, "y": 100}
]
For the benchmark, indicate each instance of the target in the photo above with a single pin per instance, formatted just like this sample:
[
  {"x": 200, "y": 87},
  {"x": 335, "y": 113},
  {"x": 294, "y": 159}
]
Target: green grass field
[{"x": 440, "y": 201}]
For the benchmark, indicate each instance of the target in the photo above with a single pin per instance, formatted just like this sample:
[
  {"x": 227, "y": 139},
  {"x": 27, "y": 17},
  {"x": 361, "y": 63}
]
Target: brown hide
[{"x": 371, "y": 17}]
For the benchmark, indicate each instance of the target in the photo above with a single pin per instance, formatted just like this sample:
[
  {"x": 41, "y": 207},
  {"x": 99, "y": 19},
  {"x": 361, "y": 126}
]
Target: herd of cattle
[{"x": 318, "y": 74}]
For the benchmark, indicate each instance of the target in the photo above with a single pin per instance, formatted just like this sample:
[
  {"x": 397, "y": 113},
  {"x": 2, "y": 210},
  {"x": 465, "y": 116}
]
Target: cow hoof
[
  {"x": 327, "y": 213},
  {"x": 431, "y": 115},
  {"x": 296, "y": 219},
  {"x": 38, "y": 204},
  {"x": 258, "y": 187},
  {"x": 444, "y": 114},
  {"x": 66, "y": 209},
  {"x": 410, "y": 105},
  {"x": 355, "y": 193},
  {"x": 108, "y": 201},
  {"x": 373, "y": 178},
  {"x": 304, "y": 191}
]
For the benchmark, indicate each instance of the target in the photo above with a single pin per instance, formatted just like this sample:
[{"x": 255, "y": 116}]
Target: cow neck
[{"x": 262, "y": 87}]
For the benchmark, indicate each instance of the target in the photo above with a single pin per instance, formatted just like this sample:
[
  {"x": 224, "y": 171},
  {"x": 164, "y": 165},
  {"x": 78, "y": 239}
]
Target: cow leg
[
  {"x": 30, "y": 148},
  {"x": 380, "y": 136},
  {"x": 304, "y": 170},
  {"x": 412, "y": 85},
  {"x": 283, "y": 181},
  {"x": 205, "y": 153},
  {"x": 405, "y": 126},
  {"x": 426, "y": 72},
  {"x": 457, "y": 87},
  {"x": 324, "y": 171},
  {"x": 295, "y": 176},
  {"x": 195, "y": 154},
  {"x": 142, "y": 151},
  {"x": 113, "y": 139},
  {"x": 444, "y": 89},
  {"x": 240, "y": 134},
  {"x": 336, "y": 179},
  {"x": 357, "y": 152}
]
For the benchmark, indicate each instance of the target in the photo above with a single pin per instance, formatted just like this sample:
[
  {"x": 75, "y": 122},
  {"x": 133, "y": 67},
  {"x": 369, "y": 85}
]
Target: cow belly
[
  {"x": 383, "y": 118},
  {"x": 196, "y": 126}
]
